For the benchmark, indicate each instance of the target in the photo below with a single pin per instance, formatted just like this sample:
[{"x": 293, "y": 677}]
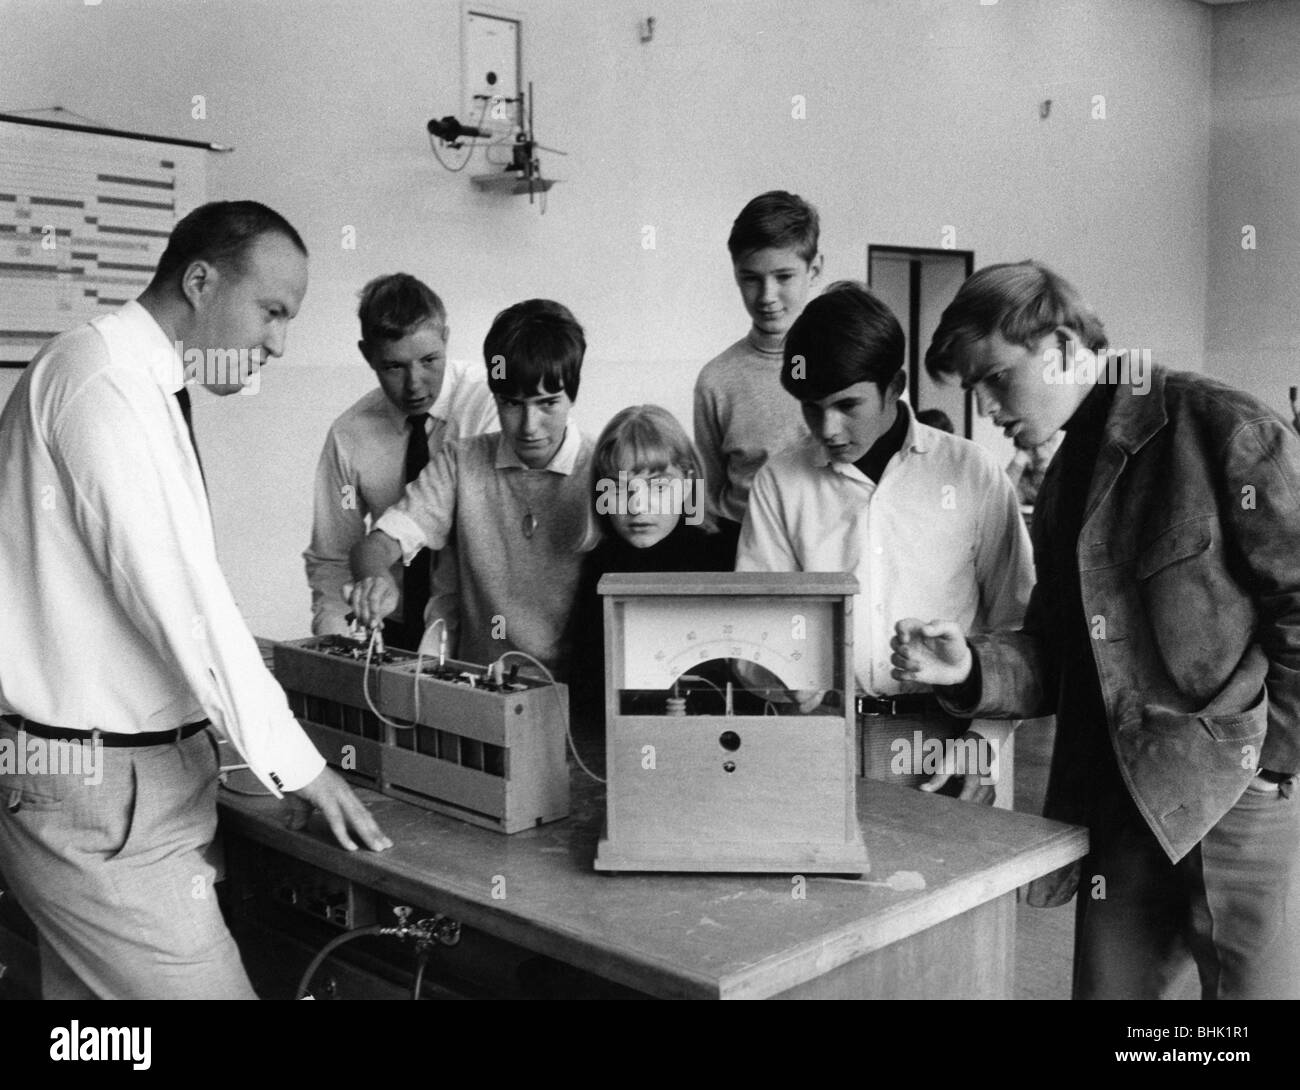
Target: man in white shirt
[
  {"x": 121, "y": 639},
  {"x": 922, "y": 518},
  {"x": 381, "y": 443}
]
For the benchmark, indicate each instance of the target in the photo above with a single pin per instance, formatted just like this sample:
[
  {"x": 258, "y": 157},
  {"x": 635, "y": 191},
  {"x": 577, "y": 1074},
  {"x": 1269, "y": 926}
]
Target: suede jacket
[{"x": 1189, "y": 562}]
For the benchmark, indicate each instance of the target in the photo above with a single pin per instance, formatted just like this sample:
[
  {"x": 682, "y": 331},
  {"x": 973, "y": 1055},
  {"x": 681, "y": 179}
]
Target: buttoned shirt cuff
[
  {"x": 291, "y": 761},
  {"x": 404, "y": 530}
]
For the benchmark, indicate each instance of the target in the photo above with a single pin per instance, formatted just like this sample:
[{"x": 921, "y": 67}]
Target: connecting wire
[
  {"x": 433, "y": 147},
  {"x": 365, "y": 686},
  {"x": 419, "y": 660},
  {"x": 225, "y": 771},
  {"x": 564, "y": 711},
  {"x": 241, "y": 791}
]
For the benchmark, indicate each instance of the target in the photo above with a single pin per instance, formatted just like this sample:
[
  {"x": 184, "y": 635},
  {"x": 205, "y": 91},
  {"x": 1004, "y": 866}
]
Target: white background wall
[
  {"x": 1252, "y": 316},
  {"x": 920, "y": 114}
]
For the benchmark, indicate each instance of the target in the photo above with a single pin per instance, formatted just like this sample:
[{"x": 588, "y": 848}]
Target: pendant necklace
[{"x": 529, "y": 523}]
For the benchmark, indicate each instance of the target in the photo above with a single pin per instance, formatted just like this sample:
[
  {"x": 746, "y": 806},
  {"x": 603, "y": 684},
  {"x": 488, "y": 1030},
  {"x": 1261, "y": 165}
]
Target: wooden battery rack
[{"x": 488, "y": 752}]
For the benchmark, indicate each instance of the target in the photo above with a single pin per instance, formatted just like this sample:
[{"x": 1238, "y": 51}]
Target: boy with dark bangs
[
  {"x": 918, "y": 516},
  {"x": 516, "y": 503}
]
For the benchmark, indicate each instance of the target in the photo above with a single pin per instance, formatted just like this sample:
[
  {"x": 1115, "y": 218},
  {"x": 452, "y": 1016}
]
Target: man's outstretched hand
[
  {"x": 932, "y": 653},
  {"x": 330, "y": 794}
]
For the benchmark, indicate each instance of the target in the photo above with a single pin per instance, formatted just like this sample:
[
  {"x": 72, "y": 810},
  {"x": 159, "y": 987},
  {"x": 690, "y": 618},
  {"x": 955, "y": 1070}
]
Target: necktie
[
  {"x": 415, "y": 581},
  {"x": 183, "y": 399}
]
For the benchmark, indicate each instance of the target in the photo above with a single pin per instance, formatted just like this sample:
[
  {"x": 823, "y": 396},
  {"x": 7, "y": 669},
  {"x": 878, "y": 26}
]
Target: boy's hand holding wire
[{"x": 372, "y": 599}]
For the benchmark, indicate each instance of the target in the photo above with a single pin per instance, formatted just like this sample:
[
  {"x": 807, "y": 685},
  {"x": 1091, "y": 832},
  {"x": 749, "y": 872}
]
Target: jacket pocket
[
  {"x": 1189, "y": 769},
  {"x": 36, "y": 790},
  {"x": 1179, "y": 542},
  {"x": 1199, "y": 618},
  {"x": 1252, "y": 724},
  {"x": 39, "y": 774}
]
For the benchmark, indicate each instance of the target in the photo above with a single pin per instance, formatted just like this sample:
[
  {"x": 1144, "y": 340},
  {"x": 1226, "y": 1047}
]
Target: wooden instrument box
[{"x": 706, "y": 789}]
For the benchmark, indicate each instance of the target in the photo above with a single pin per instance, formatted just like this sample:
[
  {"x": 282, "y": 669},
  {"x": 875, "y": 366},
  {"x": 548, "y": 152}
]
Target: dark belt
[
  {"x": 109, "y": 739},
  {"x": 904, "y": 704}
]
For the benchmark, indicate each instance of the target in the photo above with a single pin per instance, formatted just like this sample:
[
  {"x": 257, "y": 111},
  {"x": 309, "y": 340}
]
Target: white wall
[
  {"x": 919, "y": 114},
  {"x": 1253, "y": 321}
]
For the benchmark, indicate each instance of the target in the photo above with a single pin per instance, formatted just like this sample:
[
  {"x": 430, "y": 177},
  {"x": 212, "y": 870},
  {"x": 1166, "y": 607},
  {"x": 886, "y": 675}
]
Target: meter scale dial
[{"x": 664, "y": 638}]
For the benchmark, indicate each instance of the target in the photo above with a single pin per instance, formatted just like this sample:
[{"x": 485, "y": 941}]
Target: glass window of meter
[{"x": 679, "y": 654}]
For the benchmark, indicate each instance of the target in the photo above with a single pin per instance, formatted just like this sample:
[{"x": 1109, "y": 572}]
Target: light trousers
[{"x": 116, "y": 875}]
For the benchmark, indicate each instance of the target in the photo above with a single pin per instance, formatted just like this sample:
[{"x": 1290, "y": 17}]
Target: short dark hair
[
  {"x": 936, "y": 418},
  {"x": 221, "y": 233},
  {"x": 844, "y": 336},
  {"x": 391, "y": 306},
  {"x": 775, "y": 220},
  {"x": 534, "y": 346},
  {"x": 1024, "y": 301}
]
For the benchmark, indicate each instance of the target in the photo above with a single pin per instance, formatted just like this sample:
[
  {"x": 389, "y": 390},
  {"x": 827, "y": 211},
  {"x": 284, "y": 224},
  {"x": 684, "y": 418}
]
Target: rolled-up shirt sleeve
[
  {"x": 139, "y": 506},
  {"x": 425, "y": 515}
]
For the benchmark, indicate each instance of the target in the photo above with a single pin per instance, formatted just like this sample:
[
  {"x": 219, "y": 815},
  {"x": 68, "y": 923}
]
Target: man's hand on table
[{"x": 330, "y": 794}]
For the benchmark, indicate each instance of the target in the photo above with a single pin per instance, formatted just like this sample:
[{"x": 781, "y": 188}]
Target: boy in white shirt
[
  {"x": 928, "y": 523},
  {"x": 380, "y": 444}
]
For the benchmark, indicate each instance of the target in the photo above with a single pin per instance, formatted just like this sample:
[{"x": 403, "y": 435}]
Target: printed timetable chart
[{"x": 84, "y": 218}]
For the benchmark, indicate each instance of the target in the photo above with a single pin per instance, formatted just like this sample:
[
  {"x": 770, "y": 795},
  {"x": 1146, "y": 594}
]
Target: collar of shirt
[
  {"x": 439, "y": 410},
  {"x": 769, "y": 344},
  {"x": 916, "y": 440},
  {"x": 882, "y": 451},
  {"x": 159, "y": 355},
  {"x": 562, "y": 461}
]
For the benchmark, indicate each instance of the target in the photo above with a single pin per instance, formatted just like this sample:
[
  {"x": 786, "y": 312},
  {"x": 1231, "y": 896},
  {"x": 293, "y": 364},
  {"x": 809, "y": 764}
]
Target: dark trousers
[
  {"x": 728, "y": 532},
  {"x": 1231, "y": 905}
]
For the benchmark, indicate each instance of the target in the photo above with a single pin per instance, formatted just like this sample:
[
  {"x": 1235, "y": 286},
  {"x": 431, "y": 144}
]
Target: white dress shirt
[
  {"x": 939, "y": 537},
  {"x": 362, "y": 472},
  {"x": 116, "y": 614}
]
